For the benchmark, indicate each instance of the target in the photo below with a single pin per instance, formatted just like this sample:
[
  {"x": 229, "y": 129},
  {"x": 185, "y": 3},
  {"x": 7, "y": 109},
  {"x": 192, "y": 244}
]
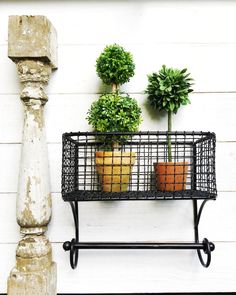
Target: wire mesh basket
[{"x": 139, "y": 167}]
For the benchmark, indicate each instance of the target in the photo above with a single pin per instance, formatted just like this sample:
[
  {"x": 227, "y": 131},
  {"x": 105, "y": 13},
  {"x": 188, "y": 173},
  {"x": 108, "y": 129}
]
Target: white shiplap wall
[{"x": 199, "y": 35}]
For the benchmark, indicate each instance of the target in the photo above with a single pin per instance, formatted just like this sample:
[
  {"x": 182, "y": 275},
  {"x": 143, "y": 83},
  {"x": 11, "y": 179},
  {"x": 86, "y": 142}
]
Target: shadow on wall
[{"x": 154, "y": 114}]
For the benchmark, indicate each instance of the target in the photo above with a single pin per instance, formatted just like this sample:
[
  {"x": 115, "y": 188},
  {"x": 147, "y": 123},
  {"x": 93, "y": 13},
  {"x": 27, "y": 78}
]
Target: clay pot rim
[
  {"x": 114, "y": 153},
  {"x": 115, "y": 158},
  {"x": 186, "y": 163}
]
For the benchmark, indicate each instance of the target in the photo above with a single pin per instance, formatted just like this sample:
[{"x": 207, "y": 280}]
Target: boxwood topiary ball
[{"x": 115, "y": 65}]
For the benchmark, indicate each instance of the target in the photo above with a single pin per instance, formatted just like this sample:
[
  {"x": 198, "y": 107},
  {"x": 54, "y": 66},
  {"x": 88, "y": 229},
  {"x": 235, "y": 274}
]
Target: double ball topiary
[
  {"x": 114, "y": 112},
  {"x": 115, "y": 65}
]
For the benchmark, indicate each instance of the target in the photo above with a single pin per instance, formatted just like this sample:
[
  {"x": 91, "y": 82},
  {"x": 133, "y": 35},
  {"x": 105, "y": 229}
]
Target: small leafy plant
[
  {"x": 115, "y": 66},
  {"x": 114, "y": 112},
  {"x": 167, "y": 91}
]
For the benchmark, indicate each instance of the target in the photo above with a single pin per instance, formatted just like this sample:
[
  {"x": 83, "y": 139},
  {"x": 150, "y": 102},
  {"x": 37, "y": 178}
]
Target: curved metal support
[
  {"x": 208, "y": 247},
  {"x": 74, "y": 252},
  {"x": 70, "y": 246},
  {"x": 200, "y": 211},
  {"x": 75, "y": 210}
]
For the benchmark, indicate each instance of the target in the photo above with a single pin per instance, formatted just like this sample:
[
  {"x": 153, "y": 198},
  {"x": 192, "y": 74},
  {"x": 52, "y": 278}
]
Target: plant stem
[
  {"x": 115, "y": 87},
  {"x": 115, "y": 146},
  {"x": 168, "y": 136}
]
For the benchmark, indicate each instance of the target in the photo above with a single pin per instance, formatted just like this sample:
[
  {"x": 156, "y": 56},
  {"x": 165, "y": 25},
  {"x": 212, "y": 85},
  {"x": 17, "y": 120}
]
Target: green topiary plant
[
  {"x": 115, "y": 66},
  {"x": 114, "y": 112},
  {"x": 167, "y": 91}
]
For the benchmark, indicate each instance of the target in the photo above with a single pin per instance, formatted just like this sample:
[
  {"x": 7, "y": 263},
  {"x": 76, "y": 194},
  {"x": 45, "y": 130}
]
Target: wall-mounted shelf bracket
[
  {"x": 75, "y": 245},
  {"x": 84, "y": 179}
]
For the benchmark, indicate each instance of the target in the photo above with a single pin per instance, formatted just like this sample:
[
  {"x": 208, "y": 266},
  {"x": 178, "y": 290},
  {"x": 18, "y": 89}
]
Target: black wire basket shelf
[
  {"x": 144, "y": 174},
  {"x": 141, "y": 166}
]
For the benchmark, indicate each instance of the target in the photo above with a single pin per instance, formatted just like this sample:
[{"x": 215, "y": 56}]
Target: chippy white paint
[
  {"x": 33, "y": 37},
  {"x": 34, "y": 198},
  {"x": 35, "y": 273}
]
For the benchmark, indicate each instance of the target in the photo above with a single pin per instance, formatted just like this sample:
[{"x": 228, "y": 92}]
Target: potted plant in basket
[
  {"x": 167, "y": 90},
  {"x": 114, "y": 112}
]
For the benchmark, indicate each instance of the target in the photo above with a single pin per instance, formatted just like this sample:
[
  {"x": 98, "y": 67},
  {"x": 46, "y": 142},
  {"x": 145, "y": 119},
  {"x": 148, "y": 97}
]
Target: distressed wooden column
[{"x": 32, "y": 46}]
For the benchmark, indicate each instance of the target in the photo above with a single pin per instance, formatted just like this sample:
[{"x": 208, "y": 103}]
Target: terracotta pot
[
  {"x": 114, "y": 169},
  {"x": 171, "y": 176}
]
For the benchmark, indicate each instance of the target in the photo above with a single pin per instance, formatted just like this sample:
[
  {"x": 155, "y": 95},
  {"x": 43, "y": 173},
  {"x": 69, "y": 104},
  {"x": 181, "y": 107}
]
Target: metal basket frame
[{"x": 80, "y": 180}]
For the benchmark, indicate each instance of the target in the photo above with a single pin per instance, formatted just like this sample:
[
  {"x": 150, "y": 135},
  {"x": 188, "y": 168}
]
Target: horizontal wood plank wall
[{"x": 199, "y": 35}]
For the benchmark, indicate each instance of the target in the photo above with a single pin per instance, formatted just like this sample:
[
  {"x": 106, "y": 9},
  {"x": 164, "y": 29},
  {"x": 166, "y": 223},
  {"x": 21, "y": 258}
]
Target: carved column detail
[
  {"x": 34, "y": 198},
  {"x": 32, "y": 46}
]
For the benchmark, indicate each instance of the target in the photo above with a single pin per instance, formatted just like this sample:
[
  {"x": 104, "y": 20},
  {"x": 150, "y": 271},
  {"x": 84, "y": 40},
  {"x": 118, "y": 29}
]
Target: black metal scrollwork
[
  {"x": 71, "y": 246},
  {"x": 208, "y": 247}
]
